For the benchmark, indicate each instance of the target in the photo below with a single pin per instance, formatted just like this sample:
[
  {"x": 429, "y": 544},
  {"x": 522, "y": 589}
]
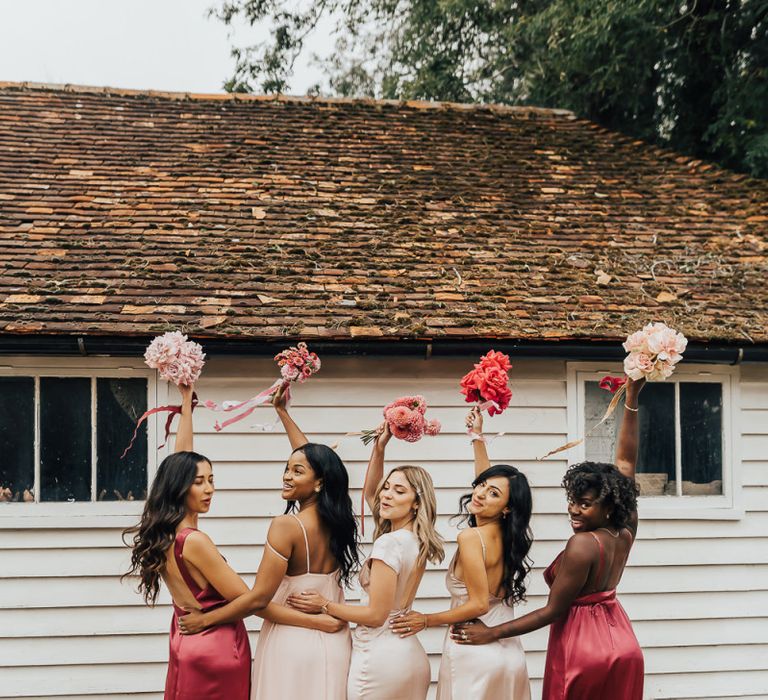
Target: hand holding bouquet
[{"x": 177, "y": 359}]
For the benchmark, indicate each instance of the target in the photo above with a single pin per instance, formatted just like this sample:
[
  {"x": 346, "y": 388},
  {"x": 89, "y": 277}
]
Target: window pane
[
  {"x": 65, "y": 439},
  {"x": 656, "y": 457},
  {"x": 701, "y": 428},
  {"x": 120, "y": 403},
  {"x": 17, "y": 437}
]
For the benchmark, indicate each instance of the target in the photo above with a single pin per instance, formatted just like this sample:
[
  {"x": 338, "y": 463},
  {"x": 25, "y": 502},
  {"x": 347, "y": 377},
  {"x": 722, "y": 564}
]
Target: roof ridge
[{"x": 248, "y": 97}]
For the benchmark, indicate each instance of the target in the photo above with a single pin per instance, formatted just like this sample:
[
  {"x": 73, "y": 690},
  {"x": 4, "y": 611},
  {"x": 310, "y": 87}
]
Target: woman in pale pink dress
[
  {"x": 486, "y": 576},
  {"x": 385, "y": 666},
  {"x": 314, "y": 548}
]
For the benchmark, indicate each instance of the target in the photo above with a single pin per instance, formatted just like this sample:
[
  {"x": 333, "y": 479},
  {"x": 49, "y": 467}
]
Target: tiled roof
[{"x": 230, "y": 216}]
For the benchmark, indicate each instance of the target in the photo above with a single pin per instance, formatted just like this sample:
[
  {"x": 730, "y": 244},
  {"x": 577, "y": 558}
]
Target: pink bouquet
[
  {"x": 296, "y": 364},
  {"x": 488, "y": 383},
  {"x": 653, "y": 352},
  {"x": 405, "y": 417},
  {"x": 177, "y": 359}
]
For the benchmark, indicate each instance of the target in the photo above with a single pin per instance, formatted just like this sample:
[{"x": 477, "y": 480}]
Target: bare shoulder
[
  {"x": 284, "y": 528},
  {"x": 469, "y": 539},
  {"x": 198, "y": 542},
  {"x": 581, "y": 547}
]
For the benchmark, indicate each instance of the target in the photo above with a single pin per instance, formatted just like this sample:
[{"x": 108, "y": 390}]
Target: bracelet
[
  {"x": 476, "y": 436},
  {"x": 629, "y": 408},
  {"x": 324, "y": 607}
]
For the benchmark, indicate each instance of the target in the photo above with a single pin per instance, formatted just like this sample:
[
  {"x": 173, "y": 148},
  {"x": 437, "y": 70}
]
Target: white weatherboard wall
[{"x": 696, "y": 590}]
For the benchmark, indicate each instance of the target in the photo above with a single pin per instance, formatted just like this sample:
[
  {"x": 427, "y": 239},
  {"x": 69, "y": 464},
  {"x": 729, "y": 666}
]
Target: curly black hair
[{"x": 615, "y": 490}]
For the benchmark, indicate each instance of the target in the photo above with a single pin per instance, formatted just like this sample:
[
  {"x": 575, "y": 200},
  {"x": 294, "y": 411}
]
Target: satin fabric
[
  {"x": 592, "y": 650},
  {"x": 495, "y": 671},
  {"x": 385, "y": 666},
  {"x": 212, "y": 665},
  {"x": 294, "y": 662}
]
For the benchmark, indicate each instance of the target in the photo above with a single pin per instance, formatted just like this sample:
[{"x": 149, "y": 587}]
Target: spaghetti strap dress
[
  {"x": 294, "y": 662},
  {"x": 386, "y": 666},
  {"x": 592, "y": 651},
  {"x": 212, "y": 665},
  {"x": 495, "y": 671}
]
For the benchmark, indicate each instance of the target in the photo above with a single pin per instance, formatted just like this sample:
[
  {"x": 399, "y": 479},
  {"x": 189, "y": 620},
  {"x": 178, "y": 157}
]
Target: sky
[{"x": 142, "y": 44}]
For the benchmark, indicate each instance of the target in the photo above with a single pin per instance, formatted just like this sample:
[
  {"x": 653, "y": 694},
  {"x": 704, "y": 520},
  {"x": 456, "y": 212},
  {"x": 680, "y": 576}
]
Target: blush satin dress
[
  {"x": 296, "y": 662},
  {"x": 212, "y": 665},
  {"x": 384, "y": 665},
  {"x": 592, "y": 651},
  {"x": 495, "y": 671}
]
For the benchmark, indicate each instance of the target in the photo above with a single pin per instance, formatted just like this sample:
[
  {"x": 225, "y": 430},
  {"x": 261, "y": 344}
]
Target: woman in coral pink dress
[
  {"x": 312, "y": 547},
  {"x": 592, "y": 651}
]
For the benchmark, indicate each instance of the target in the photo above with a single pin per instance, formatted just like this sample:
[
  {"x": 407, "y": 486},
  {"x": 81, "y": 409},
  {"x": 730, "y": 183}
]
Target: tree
[{"x": 688, "y": 74}]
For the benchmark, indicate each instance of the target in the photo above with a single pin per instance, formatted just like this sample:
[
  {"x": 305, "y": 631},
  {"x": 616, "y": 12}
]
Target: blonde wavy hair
[{"x": 430, "y": 542}]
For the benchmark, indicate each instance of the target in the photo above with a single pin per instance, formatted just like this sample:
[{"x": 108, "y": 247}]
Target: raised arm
[
  {"x": 381, "y": 599},
  {"x": 272, "y": 568},
  {"x": 572, "y": 574},
  {"x": 295, "y": 436},
  {"x": 185, "y": 433},
  {"x": 474, "y": 423},
  {"x": 627, "y": 442},
  {"x": 476, "y": 580},
  {"x": 375, "y": 472}
]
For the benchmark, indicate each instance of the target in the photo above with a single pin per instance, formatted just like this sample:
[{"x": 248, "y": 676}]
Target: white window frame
[
  {"x": 729, "y": 505},
  {"x": 89, "y": 514}
]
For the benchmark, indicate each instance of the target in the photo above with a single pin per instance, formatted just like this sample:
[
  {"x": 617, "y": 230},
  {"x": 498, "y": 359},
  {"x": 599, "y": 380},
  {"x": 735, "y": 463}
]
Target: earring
[{"x": 317, "y": 490}]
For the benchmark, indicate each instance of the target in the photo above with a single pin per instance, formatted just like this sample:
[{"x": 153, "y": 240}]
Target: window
[
  {"x": 685, "y": 457},
  {"x": 63, "y": 433}
]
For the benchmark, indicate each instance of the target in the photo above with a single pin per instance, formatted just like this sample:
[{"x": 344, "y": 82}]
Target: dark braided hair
[{"x": 614, "y": 490}]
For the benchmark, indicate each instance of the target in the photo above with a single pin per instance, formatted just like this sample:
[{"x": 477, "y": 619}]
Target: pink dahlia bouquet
[
  {"x": 296, "y": 363},
  {"x": 176, "y": 358},
  {"x": 488, "y": 383},
  {"x": 405, "y": 417}
]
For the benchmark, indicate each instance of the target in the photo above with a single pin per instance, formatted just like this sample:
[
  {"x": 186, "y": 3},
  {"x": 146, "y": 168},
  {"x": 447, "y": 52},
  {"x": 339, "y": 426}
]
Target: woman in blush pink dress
[
  {"x": 312, "y": 546},
  {"x": 592, "y": 651},
  {"x": 485, "y": 578},
  {"x": 384, "y": 666},
  {"x": 168, "y": 545}
]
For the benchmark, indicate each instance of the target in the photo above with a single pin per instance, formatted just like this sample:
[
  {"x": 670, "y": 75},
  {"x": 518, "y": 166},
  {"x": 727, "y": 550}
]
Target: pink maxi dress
[
  {"x": 212, "y": 665},
  {"x": 592, "y": 651},
  {"x": 294, "y": 662},
  {"x": 495, "y": 671},
  {"x": 384, "y": 665}
]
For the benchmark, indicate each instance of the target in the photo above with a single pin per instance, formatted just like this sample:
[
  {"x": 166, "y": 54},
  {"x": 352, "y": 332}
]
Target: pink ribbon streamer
[
  {"x": 249, "y": 406},
  {"x": 172, "y": 411}
]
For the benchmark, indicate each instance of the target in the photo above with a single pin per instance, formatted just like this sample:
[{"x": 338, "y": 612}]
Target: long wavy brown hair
[
  {"x": 164, "y": 509},
  {"x": 430, "y": 542}
]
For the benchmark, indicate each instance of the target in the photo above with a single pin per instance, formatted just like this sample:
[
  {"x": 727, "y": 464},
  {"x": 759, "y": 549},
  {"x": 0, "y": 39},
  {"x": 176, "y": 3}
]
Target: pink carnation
[
  {"x": 177, "y": 359},
  {"x": 297, "y": 364},
  {"x": 433, "y": 427}
]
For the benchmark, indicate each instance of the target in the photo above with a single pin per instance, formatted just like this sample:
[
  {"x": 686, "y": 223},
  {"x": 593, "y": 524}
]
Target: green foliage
[{"x": 688, "y": 74}]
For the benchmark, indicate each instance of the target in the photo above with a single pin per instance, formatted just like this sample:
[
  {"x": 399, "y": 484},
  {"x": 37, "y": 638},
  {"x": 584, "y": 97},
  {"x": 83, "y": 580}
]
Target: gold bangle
[{"x": 629, "y": 408}]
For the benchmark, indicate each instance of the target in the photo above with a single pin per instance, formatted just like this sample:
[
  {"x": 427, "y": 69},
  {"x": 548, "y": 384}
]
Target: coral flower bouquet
[
  {"x": 487, "y": 384},
  {"x": 406, "y": 420}
]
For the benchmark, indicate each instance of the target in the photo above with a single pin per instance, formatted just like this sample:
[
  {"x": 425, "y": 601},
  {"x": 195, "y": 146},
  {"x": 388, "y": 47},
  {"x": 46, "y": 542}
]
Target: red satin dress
[
  {"x": 212, "y": 665},
  {"x": 592, "y": 653}
]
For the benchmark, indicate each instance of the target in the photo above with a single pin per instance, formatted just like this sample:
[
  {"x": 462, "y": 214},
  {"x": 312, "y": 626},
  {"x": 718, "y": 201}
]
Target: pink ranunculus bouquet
[
  {"x": 406, "y": 420},
  {"x": 653, "y": 352},
  {"x": 176, "y": 358},
  {"x": 488, "y": 383},
  {"x": 297, "y": 364}
]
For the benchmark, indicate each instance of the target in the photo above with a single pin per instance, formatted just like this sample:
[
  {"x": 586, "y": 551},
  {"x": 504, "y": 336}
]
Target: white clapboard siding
[{"x": 696, "y": 589}]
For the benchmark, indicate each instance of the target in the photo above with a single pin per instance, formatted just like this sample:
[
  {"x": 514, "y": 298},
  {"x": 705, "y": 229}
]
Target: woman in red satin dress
[
  {"x": 592, "y": 652},
  {"x": 167, "y": 545}
]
